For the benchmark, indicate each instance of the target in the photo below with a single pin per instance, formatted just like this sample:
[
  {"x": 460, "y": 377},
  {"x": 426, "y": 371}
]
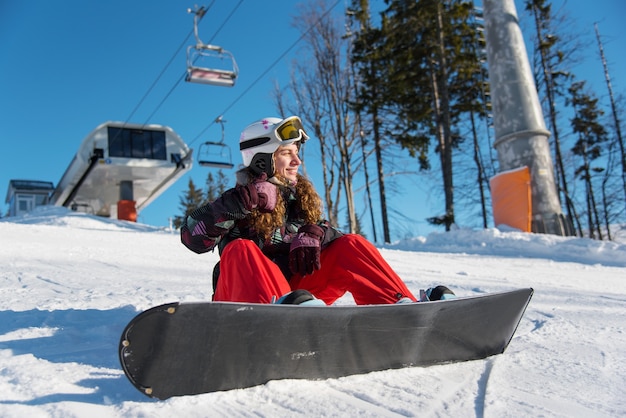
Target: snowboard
[{"x": 191, "y": 348}]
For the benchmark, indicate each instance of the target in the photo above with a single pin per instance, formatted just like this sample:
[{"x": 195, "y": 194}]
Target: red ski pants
[{"x": 348, "y": 264}]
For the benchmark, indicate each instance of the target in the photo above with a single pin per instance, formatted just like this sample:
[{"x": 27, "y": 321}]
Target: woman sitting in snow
[{"x": 274, "y": 244}]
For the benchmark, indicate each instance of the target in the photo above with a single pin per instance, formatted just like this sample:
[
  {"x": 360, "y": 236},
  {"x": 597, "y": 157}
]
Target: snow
[{"x": 70, "y": 282}]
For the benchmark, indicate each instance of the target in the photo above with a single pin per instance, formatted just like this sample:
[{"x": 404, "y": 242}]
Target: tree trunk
[
  {"x": 444, "y": 124},
  {"x": 549, "y": 85},
  {"x": 381, "y": 175},
  {"x": 618, "y": 129},
  {"x": 479, "y": 168}
]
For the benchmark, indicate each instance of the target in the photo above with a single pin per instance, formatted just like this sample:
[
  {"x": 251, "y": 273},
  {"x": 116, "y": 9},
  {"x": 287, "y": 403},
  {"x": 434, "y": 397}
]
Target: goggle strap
[{"x": 254, "y": 142}]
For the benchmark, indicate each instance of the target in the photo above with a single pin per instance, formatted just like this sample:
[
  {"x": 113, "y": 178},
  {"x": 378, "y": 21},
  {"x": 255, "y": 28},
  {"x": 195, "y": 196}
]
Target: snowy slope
[{"x": 70, "y": 282}]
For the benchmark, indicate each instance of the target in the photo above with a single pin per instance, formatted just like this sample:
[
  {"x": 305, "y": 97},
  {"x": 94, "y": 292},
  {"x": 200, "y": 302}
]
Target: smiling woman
[{"x": 273, "y": 242}]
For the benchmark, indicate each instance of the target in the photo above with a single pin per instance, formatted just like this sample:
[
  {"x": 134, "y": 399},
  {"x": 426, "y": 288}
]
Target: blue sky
[{"x": 66, "y": 67}]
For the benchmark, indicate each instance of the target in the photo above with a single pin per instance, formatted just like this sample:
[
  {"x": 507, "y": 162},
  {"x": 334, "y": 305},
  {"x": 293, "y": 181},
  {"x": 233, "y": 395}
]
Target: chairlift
[
  {"x": 202, "y": 57},
  {"x": 215, "y": 154}
]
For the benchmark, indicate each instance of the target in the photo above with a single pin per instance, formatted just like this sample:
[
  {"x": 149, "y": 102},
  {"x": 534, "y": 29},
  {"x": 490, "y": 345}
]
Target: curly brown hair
[{"x": 308, "y": 207}]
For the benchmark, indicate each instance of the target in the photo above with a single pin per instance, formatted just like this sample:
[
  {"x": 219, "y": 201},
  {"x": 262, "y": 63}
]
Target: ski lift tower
[
  {"x": 521, "y": 134},
  {"x": 201, "y": 58}
]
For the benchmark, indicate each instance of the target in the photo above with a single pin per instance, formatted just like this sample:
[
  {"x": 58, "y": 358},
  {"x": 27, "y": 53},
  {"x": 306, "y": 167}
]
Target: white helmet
[{"x": 261, "y": 139}]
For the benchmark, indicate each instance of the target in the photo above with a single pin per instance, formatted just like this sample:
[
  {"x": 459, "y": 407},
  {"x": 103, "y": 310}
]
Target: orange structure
[{"x": 511, "y": 199}]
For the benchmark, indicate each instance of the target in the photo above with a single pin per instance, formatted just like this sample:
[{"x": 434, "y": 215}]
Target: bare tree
[
  {"x": 554, "y": 53},
  {"x": 616, "y": 121},
  {"x": 322, "y": 90}
]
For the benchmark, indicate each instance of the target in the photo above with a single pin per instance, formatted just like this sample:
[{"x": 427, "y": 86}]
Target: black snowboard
[{"x": 190, "y": 348}]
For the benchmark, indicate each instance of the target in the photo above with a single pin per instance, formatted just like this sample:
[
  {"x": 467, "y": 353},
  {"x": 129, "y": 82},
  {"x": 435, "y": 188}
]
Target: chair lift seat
[
  {"x": 216, "y": 164},
  {"x": 198, "y": 72},
  {"x": 211, "y": 76},
  {"x": 201, "y": 51},
  {"x": 215, "y": 154}
]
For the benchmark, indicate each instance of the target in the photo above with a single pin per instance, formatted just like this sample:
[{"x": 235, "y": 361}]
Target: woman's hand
[
  {"x": 305, "y": 250},
  {"x": 260, "y": 195}
]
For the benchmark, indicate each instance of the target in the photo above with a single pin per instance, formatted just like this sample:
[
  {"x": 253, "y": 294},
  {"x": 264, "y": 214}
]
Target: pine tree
[
  {"x": 189, "y": 201},
  {"x": 367, "y": 57},
  {"x": 474, "y": 103},
  {"x": 591, "y": 138},
  {"x": 425, "y": 51},
  {"x": 215, "y": 187}
]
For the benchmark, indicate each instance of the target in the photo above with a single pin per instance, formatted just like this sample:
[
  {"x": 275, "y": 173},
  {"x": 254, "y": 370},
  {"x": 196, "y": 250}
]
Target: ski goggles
[
  {"x": 288, "y": 131},
  {"x": 291, "y": 128}
]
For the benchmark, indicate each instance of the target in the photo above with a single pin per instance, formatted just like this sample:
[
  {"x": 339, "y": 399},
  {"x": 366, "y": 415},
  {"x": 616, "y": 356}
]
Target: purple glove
[
  {"x": 260, "y": 194},
  {"x": 304, "y": 253}
]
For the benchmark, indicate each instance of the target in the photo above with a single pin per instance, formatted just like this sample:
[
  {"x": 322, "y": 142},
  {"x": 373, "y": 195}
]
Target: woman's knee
[
  {"x": 353, "y": 240},
  {"x": 239, "y": 245}
]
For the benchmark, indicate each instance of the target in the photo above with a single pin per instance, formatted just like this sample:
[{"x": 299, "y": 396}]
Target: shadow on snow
[{"x": 90, "y": 337}]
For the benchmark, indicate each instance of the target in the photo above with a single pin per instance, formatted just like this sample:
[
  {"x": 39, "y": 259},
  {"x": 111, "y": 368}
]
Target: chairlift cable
[
  {"x": 169, "y": 93},
  {"x": 154, "y": 83},
  {"x": 171, "y": 60},
  {"x": 238, "y": 98},
  {"x": 182, "y": 77},
  {"x": 181, "y": 46},
  {"x": 232, "y": 12}
]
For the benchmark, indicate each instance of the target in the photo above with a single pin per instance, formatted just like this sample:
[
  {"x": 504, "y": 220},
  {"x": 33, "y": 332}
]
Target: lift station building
[{"x": 118, "y": 170}]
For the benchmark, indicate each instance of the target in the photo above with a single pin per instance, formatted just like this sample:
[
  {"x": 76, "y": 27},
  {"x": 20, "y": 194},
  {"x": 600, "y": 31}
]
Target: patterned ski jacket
[{"x": 225, "y": 219}]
